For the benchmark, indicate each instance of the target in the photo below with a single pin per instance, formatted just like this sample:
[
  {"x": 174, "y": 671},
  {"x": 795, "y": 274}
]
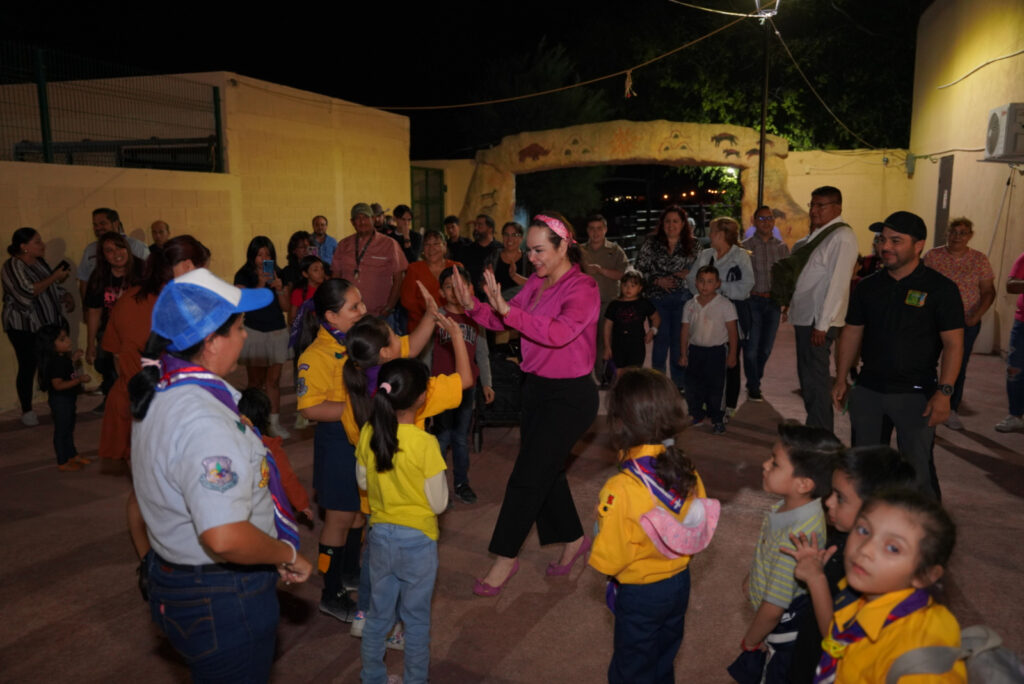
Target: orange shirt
[{"x": 411, "y": 297}]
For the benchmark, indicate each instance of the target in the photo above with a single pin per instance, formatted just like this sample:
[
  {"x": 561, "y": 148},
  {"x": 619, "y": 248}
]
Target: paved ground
[{"x": 71, "y": 610}]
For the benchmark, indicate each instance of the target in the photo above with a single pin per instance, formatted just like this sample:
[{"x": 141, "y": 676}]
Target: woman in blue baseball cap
[{"x": 221, "y": 529}]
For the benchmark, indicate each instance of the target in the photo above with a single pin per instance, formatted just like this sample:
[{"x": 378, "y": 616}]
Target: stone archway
[{"x": 492, "y": 188}]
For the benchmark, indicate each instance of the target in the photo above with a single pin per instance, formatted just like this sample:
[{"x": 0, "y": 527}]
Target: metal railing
[{"x": 64, "y": 109}]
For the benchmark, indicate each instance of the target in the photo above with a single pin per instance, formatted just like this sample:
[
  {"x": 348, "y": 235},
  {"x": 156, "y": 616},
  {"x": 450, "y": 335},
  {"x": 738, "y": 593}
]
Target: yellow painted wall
[
  {"x": 291, "y": 155},
  {"x": 954, "y": 37},
  {"x": 457, "y": 175},
  {"x": 874, "y": 183}
]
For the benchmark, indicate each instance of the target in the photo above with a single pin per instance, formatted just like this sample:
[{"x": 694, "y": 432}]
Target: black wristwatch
[{"x": 947, "y": 390}]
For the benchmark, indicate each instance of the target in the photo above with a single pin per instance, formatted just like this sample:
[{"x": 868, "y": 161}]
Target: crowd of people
[{"x": 388, "y": 328}]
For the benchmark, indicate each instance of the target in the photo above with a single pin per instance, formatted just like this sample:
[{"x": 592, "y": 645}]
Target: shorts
[
  {"x": 334, "y": 468},
  {"x": 264, "y": 348}
]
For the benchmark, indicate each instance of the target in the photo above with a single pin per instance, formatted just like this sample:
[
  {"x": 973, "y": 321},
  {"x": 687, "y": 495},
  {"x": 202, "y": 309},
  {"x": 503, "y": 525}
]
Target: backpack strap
[
  {"x": 941, "y": 659},
  {"x": 810, "y": 246}
]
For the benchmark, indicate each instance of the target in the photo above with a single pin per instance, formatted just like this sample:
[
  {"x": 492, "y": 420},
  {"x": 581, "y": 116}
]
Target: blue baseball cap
[{"x": 194, "y": 305}]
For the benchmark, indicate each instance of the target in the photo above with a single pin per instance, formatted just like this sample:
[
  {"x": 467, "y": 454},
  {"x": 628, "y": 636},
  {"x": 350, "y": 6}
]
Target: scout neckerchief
[
  {"x": 360, "y": 254},
  {"x": 642, "y": 468},
  {"x": 838, "y": 640},
  {"x": 177, "y": 372},
  {"x": 338, "y": 336}
]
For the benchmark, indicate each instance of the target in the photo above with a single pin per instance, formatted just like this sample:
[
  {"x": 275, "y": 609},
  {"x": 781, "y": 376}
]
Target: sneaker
[
  {"x": 1010, "y": 423},
  {"x": 394, "y": 679},
  {"x": 30, "y": 418},
  {"x": 341, "y": 607},
  {"x": 275, "y": 429},
  {"x": 465, "y": 493},
  {"x": 953, "y": 422},
  {"x": 301, "y": 422},
  {"x": 358, "y": 622},
  {"x": 396, "y": 640},
  {"x": 730, "y": 411},
  {"x": 350, "y": 581},
  {"x": 69, "y": 467},
  {"x": 718, "y": 429},
  {"x": 698, "y": 422},
  {"x": 755, "y": 395},
  {"x": 82, "y": 460}
]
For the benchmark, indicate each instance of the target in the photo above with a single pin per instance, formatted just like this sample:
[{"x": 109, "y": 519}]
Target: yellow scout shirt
[{"x": 622, "y": 549}]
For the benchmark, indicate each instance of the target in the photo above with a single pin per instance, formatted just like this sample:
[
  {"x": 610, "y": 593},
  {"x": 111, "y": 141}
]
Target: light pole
[{"x": 764, "y": 12}]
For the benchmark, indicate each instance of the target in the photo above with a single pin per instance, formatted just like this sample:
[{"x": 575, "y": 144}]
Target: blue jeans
[
  {"x": 970, "y": 337},
  {"x": 223, "y": 622},
  {"x": 649, "y": 621},
  {"x": 666, "y": 342},
  {"x": 403, "y": 567},
  {"x": 453, "y": 428},
  {"x": 1015, "y": 360},
  {"x": 764, "y": 323}
]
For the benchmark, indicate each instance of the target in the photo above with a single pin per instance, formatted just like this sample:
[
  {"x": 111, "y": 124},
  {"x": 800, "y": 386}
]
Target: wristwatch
[{"x": 946, "y": 390}]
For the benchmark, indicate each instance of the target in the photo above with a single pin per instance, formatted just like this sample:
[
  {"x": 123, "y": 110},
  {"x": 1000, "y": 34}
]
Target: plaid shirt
[{"x": 762, "y": 256}]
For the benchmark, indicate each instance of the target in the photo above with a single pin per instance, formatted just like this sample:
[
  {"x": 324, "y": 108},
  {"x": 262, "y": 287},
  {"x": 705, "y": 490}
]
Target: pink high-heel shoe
[
  {"x": 481, "y": 588},
  {"x": 554, "y": 569}
]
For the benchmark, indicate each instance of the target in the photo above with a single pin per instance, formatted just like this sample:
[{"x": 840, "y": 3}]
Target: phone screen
[{"x": 268, "y": 267}]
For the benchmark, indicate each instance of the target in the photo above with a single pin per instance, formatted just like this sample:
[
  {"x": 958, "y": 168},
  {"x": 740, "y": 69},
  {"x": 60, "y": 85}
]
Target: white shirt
[
  {"x": 823, "y": 288},
  {"x": 707, "y": 322},
  {"x": 196, "y": 466}
]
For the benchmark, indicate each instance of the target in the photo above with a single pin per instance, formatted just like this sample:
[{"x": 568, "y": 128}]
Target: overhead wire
[{"x": 982, "y": 66}]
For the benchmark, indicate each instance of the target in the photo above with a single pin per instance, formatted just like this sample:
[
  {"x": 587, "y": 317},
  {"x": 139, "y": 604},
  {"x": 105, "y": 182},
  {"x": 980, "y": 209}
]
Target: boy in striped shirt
[{"x": 800, "y": 471}]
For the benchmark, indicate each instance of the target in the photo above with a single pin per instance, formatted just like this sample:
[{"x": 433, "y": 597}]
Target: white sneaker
[
  {"x": 30, "y": 419},
  {"x": 301, "y": 422},
  {"x": 275, "y": 429},
  {"x": 953, "y": 422},
  {"x": 1010, "y": 423},
  {"x": 358, "y": 622},
  {"x": 396, "y": 640}
]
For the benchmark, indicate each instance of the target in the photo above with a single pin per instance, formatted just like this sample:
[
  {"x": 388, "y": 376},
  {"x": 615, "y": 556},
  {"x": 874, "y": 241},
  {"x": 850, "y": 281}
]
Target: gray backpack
[{"x": 987, "y": 660}]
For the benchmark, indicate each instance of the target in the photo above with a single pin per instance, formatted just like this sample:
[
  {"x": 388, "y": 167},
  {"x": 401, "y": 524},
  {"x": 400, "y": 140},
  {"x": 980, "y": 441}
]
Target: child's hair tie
[
  {"x": 146, "y": 362},
  {"x": 670, "y": 442},
  {"x": 386, "y": 386}
]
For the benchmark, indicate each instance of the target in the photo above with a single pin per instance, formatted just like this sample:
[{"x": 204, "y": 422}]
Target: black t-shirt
[
  {"x": 475, "y": 257},
  {"x": 807, "y": 650},
  {"x": 415, "y": 247},
  {"x": 270, "y": 317},
  {"x": 628, "y": 318},
  {"x": 902, "y": 320},
  {"x": 456, "y": 247},
  {"x": 60, "y": 367},
  {"x": 104, "y": 298}
]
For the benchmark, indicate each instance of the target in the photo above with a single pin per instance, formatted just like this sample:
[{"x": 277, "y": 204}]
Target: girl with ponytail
[{"x": 401, "y": 468}]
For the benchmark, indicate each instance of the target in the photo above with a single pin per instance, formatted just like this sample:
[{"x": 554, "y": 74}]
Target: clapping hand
[
  {"x": 463, "y": 292},
  {"x": 810, "y": 560},
  {"x": 493, "y": 291},
  {"x": 453, "y": 329},
  {"x": 431, "y": 309}
]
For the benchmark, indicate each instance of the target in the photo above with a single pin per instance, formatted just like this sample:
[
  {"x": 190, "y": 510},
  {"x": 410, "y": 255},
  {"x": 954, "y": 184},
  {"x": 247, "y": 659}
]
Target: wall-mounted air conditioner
[{"x": 1004, "y": 139}]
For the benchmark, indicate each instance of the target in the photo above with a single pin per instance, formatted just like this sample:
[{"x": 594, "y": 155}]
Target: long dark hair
[
  {"x": 364, "y": 341},
  {"x": 101, "y": 275},
  {"x": 297, "y": 237},
  {"x": 142, "y": 386},
  {"x": 20, "y": 237},
  {"x": 644, "y": 407},
  {"x": 686, "y": 241},
  {"x": 255, "y": 245},
  {"x": 330, "y": 296},
  {"x": 400, "y": 383},
  {"x": 302, "y": 282},
  {"x": 573, "y": 250},
  {"x": 161, "y": 262},
  {"x": 46, "y": 353}
]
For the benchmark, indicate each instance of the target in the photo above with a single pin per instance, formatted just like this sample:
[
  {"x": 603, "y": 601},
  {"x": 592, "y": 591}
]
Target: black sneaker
[
  {"x": 718, "y": 429},
  {"x": 341, "y": 607},
  {"x": 465, "y": 493},
  {"x": 755, "y": 395}
]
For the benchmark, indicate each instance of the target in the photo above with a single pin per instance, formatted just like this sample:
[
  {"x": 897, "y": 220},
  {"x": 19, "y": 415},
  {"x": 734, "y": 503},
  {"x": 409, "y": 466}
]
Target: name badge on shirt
[{"x": 915, "y": 298}]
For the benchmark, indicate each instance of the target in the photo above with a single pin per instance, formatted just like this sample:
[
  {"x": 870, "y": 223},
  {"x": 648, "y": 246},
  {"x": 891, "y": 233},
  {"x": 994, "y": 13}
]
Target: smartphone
[
  {"x": 64, "y": 265},
  {"x": 268, "y": 267}
]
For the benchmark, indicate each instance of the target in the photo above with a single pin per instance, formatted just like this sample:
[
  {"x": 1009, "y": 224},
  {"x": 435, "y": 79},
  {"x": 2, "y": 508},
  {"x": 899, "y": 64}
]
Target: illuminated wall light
[{"x": 664, "y": 196}]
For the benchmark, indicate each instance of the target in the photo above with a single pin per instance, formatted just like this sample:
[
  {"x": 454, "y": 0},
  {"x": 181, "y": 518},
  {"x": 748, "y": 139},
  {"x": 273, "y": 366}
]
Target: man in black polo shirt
[{"x": 900, "y": 319}]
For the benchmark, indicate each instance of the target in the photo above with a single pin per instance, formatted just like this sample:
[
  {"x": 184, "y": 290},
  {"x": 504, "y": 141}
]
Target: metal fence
[{"x": 64, "y": 109}]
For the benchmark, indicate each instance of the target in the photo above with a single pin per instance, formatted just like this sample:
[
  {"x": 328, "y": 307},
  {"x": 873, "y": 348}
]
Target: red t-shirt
[{"x": 443, "y": 362}]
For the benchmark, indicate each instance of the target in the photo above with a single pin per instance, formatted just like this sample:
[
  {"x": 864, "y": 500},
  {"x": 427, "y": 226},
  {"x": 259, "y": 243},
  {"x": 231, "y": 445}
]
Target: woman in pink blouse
[{"x": 556, "y": 313}]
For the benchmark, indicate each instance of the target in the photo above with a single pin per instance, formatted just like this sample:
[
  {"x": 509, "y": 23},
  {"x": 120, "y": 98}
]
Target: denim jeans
[
  {"x": 453, "y": 429},
  {"x": 970, "y": 337},
  {"x": 705, "y": 381},
  {"x": 1015, "y": 359},
  {"x": 62, "y": 408},
  {"x": 666, "y": 342},
  {"x": 649, "y": 621},
  {"x": 222, "y": 621},
  {"x": 764, "y": 323},
  {"x": 403, "y": 567}
]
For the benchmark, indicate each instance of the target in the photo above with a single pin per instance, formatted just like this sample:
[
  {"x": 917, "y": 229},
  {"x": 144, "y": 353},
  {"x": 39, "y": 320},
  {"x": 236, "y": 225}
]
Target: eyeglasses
[{"x": 819, "y": 205}]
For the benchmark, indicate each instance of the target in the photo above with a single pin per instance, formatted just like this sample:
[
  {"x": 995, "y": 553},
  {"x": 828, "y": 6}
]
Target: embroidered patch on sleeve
[
  {"x": 264, "y": 473},
  {"x": 217, "y": 474},
  {"x": 300, "y": 387},
  {"x": 915, "y": 298},
  {"x": 605, "y": 506},
  {"x": 303, "y": 366}
]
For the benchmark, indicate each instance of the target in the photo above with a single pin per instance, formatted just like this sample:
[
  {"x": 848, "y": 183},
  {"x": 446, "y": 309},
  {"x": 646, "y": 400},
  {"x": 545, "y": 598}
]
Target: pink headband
[{"x": 557, "y": 226}]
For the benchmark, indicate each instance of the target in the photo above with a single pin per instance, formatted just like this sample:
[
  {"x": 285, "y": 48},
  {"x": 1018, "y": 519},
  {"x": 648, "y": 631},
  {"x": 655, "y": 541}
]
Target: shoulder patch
[
  {"x": 605, "y": 505},
  {"x": 217, "y": 474},
  {"x": 300, "y": 387},
  {"x": 303, "y": 366},
  {"x": 264, "y": 473},
  {"x": 339, "y": 355}
]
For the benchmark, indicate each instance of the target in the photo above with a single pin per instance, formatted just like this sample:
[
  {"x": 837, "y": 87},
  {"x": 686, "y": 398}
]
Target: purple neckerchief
[
  {"x": 371, "y": 379},
  {"x": 338, "y": 336},
  {"x": 642, "y": 468},
  {"x": 177, "y": 372},
  {"x": 296, "y": 327},
  {"x": 834, "y": 645}
]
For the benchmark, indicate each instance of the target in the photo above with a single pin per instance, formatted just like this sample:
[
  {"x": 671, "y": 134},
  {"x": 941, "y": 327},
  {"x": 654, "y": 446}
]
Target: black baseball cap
[{"x": 903, "y": 222}]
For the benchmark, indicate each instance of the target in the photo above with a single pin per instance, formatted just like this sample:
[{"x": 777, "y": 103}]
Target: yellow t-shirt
[
  {"x": 622, "y": 549},
  {"x": 319, "y": 377},
  {"x": 869, "y": 659},
  {"x": 397, "y": 496}
]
